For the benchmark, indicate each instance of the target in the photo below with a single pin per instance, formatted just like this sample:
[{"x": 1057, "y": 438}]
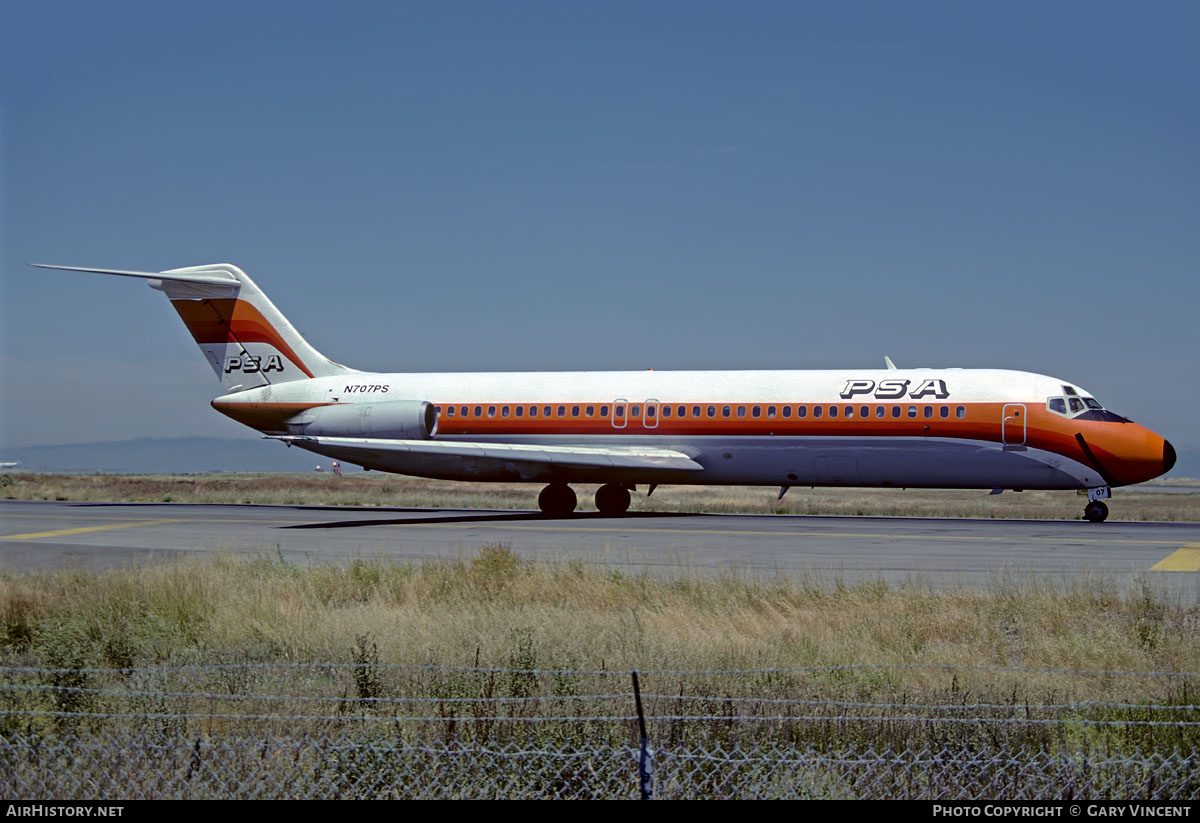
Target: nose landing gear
[{"x": 1095, "y": 511}]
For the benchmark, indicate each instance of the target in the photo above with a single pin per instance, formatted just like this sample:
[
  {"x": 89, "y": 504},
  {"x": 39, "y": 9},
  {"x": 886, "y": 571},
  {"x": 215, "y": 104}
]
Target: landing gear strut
[
  {"x": 557, "y": 499},
  {"x": 612, "y": 499},
  {"x": 1095, "y": 511}
]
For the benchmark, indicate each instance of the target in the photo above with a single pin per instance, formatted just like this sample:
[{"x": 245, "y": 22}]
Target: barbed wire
[
  {"x": 597, "y": 672},
  {"x": 695, "y": 718},
  {"x": 534, "y": 699}
]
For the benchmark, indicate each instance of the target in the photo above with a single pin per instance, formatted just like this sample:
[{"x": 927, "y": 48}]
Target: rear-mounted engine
[{"x": 390, "y": 419}]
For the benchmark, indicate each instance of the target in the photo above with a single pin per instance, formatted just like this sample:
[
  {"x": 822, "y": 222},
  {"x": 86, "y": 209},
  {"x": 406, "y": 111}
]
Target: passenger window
[
  {"x": 545, "y": 411},
  {"x": 574, "y": 411},
  {"x": 666, "y": 411},
  {"x": 833, "y": 411},
  {"x": 681, "y": 411},
  {"x": 649, "y": 411},
  {"x": 741, "y": 411},
  {"x": 756, "y": 411},
  {"x": 491, "y": 411},
  {"x": 787, "y": 411},
  {"x": 504, "y": 411},
  {"x": 479, "y": 411},
  {"x": 620, "y": 410},
  {"x": 816, "y": 411},
  {"x": 604, "y": 411},
  {"x": 912, "y": 411},
  {"x": 944, "y": 411},
  {"x": 802, "y": 411},
  {"x": 927, "y": 411},
  {"x": 848, "y": 412},
  {"x": 960, "y": 411},
  {"x": 770, "y": 411},
  {"x": 562, "y": 411},
  {"x": 591, "y": 411},
  {"x": 695, "y": 411},
  {"x": 865, "y": 411},
  {"x": 725, "y": 411},
  {"x": 462, "y": 412},
  {"x": 895, "y": 411},
  {"x": 533, "y": 411},
  {"x": 449, "y": 411},
  {"x": 712, "y": 411}
]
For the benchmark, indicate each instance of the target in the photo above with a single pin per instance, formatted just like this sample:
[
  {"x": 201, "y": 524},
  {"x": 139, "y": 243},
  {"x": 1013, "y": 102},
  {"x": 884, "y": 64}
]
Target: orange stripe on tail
[{"x": 229, "y": 320}]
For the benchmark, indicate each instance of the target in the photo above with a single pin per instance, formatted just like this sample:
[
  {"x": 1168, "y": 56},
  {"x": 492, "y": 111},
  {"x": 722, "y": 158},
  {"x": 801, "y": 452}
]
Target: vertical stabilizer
[{"x": 247, "y": 341}]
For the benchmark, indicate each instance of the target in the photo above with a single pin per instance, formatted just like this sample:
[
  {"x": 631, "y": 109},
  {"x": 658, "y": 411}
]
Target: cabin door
[{"x": 1012, "y": 426}]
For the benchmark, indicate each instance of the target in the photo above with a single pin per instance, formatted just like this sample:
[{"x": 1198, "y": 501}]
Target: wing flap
[{"x": 500, "y": 454}]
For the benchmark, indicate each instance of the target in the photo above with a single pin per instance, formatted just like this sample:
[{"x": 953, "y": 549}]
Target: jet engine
[{"x": 390, "y": 419}]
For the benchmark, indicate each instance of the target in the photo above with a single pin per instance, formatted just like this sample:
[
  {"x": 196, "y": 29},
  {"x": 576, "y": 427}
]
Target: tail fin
[{"x": 246, "y": 340}]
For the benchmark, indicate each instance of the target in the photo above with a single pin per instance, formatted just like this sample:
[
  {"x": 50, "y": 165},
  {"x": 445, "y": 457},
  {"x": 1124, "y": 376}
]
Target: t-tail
[{"x": 247, "y": 341}]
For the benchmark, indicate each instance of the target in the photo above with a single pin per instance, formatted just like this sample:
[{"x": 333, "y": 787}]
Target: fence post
[{"x": 645, "y": 755}]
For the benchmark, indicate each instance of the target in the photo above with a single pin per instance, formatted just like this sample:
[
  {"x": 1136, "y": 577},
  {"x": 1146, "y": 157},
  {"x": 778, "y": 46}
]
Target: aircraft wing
[{"x": 529, "y": 460}]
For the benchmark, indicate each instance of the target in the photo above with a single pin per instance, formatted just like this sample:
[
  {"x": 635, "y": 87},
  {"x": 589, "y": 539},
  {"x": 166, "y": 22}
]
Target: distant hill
[
  {"x": 176, "y": 455},
  {"x": 168, "y": 455}
]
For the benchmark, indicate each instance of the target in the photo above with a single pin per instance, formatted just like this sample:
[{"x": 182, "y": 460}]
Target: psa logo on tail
[{"x": 249, "y": 363}]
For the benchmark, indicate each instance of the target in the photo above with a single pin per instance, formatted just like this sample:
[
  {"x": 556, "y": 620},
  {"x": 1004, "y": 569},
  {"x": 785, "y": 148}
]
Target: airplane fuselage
[{"x": 941, "y": 428}]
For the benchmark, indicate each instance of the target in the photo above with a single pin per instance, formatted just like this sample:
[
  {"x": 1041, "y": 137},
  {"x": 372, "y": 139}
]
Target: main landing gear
[
  {"x": 612, "y": 499},
  {"x": 559, "y": 499}
]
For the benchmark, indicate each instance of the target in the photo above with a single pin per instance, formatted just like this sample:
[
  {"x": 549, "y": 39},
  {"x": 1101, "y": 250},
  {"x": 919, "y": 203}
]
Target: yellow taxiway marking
[
  {"x": 1186, "y": 559},
  {"x": 60, "y": 532}
]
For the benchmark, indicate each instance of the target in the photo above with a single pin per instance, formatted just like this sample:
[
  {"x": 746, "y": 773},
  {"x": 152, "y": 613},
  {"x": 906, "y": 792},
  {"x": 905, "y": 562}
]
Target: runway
[{"x": 43, "y": 536}]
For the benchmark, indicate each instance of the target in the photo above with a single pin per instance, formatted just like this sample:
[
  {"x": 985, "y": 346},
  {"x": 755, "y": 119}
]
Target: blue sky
[{"x": 569, "y": 185}]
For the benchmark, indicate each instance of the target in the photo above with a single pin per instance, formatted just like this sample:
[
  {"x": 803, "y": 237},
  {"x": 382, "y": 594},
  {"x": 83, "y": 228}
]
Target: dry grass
[
  {"x": 574, "y": 615},
  {"x": 371, "y": 489},
  {"x": 497, "y": 610}
]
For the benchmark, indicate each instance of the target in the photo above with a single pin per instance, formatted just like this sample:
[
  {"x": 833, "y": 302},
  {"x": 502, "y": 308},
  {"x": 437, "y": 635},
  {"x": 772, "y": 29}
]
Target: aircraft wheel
[
  {"x": 1096, "y": 512},
  {"x": 612, "y": 499},
  {"x": 557, "y": 499}
]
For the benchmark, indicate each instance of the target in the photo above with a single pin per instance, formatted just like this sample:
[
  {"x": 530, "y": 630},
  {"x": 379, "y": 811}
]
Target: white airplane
[{"x": 933, "y": 428}]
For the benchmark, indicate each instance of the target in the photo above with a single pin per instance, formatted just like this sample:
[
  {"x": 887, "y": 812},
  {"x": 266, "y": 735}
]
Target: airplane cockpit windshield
[{"x": 1079, "y": 407}]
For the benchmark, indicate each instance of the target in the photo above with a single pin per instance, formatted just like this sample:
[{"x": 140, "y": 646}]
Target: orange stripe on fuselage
[
  {"x": 230, "y": 320},
  {"x": 1128, "y": 451}
]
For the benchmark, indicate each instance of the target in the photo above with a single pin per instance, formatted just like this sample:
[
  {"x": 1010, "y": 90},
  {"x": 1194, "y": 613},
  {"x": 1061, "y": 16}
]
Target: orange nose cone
[{"x": 1131, "y": 453}]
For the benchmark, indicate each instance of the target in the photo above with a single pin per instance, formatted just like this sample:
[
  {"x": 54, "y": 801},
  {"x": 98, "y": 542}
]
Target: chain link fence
[{"x": 379, "y": 731}]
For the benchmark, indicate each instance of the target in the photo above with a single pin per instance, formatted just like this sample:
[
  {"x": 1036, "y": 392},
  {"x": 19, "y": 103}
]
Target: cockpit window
[{"x": 1082, "y": 408}]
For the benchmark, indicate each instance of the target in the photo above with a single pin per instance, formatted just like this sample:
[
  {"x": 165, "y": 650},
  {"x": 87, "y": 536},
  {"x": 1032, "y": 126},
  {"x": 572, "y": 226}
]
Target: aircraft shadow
[{"x": 485, "y": 517}]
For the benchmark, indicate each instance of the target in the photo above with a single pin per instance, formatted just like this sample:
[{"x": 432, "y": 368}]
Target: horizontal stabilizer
[
  {"x": 216, "y": 277},
  {"x": 531, "y": 456}
]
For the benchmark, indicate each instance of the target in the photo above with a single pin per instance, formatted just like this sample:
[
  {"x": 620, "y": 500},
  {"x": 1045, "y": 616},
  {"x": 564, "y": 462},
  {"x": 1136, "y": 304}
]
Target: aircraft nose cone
[{"x": 1168, "y": 457}]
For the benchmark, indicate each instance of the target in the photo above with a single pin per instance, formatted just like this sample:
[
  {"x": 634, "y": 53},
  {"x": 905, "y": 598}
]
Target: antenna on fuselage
[{"x": 891, "y": 366}]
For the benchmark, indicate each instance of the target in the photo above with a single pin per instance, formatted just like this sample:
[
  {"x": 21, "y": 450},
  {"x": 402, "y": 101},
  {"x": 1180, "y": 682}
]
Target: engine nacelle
[{"x": 390, "y": 419}]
